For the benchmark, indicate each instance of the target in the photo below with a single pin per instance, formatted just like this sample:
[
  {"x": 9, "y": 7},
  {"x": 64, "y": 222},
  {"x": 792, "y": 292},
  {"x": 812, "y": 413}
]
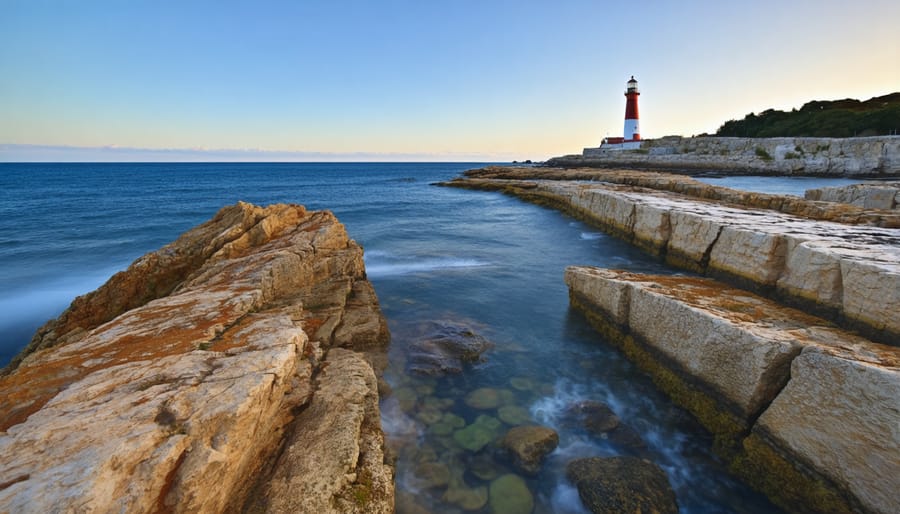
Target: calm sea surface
[{"x": 432, "y": 253}]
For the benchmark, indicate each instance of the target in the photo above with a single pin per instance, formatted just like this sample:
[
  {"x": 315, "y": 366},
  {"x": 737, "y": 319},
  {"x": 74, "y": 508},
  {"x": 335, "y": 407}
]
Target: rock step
[
  {"x": 847, "y": 273},
  {"x": 885, "y": 195},
  {"x": 810, "y": 207},
  {"x": 805, "y": 411}
]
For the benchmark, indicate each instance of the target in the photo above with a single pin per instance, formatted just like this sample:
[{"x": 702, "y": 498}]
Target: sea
[{"x": 434, "y": 254}]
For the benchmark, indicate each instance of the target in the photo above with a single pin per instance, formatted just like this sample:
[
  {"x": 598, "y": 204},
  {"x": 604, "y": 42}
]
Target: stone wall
[
  {"x": 877, "y": 156},
  {"x": 175, "y": 386},
  {"x": 803, "y": 411}
]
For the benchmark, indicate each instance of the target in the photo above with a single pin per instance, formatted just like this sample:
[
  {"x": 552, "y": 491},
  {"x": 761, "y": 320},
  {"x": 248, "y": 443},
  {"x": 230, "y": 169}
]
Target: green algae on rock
[
  {"x": 614, "y": 485},
  {"x": 509, "y": 494},
  {"x": 476, "y": 436}
]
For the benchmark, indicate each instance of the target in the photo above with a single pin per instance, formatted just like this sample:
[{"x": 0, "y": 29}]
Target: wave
[
  {"x": 386, "y": 268},
  {"x": 592, "y": 236}
]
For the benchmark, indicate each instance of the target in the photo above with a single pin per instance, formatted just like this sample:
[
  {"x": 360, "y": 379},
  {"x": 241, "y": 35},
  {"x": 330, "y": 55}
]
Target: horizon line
[{"x": 27, "y": 153}]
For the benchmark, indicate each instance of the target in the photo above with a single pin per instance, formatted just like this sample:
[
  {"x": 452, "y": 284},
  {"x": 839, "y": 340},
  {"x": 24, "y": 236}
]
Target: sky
[{"x": 435, "y": 80}]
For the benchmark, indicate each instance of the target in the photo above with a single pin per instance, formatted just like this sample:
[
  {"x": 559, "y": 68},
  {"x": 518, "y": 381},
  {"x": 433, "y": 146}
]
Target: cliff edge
[{"x": 231, "y": 370}]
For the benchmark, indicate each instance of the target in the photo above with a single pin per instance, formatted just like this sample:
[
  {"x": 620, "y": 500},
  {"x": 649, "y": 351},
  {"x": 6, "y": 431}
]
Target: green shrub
[
  {"x": 763, "y": 154},
  {"x": 791, "y": 155}
]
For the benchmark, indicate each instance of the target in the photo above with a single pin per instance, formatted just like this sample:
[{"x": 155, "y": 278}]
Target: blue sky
[{"x": 413, "y": 80}]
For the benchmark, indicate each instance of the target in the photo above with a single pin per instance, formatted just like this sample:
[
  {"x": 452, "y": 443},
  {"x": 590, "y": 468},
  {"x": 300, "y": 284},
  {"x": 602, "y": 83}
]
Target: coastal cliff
[
  {"x": 235, "y": 369},
  {"x": 802, "y": 403},
  {"x": 877, "y": 156}
]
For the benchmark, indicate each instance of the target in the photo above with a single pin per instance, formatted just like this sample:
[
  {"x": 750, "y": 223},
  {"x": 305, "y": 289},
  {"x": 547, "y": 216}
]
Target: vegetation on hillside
[{"x": 839, "y": 118}]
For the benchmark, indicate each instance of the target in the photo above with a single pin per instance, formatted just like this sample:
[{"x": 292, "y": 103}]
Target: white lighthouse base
[{"x": 611, "y": 147}]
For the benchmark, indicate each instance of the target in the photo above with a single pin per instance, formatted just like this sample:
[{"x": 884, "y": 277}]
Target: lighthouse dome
[{"x": 632, "y": 86}]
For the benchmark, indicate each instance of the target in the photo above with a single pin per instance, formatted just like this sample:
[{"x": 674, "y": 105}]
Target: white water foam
[
  {"x": 592, "y": 236},
  {"x": 393, "y": 267}
]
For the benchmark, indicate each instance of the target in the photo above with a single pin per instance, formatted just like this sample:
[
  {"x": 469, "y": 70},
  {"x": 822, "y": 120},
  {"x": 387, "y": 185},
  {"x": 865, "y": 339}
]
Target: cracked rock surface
[
  {"x": 829, "y": 259},
  {"x": 175, "y": 385}
]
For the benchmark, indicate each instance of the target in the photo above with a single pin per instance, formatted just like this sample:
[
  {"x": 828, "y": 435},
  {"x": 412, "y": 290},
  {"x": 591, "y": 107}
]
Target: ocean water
[{"x": 481, "y": 259}]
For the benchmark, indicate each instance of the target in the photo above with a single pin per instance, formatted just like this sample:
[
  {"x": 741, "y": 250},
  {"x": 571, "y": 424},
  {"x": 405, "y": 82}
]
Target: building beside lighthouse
[{"x": 631, "y": 135}]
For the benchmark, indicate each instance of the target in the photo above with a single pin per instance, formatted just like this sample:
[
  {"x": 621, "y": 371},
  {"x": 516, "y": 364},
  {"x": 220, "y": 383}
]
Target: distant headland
[{"x": 812, "y": 141}]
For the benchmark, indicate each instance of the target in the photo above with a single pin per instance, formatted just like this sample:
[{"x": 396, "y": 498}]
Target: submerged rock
[
  {"x": 595, "y": 417},
  {"x": 444, "y": 348},
  {"x": 527, "y": 446},
  {"x": 510, "y": 495},
  {"x": 484, "y": 398},
  {"x": 514, "y": 415},
  {"x": 622, "y": 484},
  {"x": 477, "y": 435}
]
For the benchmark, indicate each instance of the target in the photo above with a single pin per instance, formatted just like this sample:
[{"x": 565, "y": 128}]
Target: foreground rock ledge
[
  {"x": 215, "y": 374},
  {"x": 806, "y": 412}
]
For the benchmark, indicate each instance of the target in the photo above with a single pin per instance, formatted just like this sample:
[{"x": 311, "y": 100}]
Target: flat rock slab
[
  {"x": 850, "y": 273},
  {"x": 825, "y": 398}
]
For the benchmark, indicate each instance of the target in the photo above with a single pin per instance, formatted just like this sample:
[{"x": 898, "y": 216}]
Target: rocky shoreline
[
  {"x": 860, "y": 157},
  {"x": 805, "y": 409},
  {"x": 234, "y": 369}
]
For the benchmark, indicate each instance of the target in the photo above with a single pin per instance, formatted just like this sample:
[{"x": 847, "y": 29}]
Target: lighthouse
[
  {"x": 631, "y": 138},
  {"x": 632, "y": 127}
]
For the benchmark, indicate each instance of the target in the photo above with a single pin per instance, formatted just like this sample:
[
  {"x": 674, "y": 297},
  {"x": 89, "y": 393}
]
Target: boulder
[
  {"x": 622, "y": 484},
  {"x": 528, "y": 446},
  {"x": 174, "y": 385},
  {"x": 595, "y": 417},
  {"x": 445, "y": 348},
  {"x": 477, "y": 435},
  {"x": 509, "y": 494}
]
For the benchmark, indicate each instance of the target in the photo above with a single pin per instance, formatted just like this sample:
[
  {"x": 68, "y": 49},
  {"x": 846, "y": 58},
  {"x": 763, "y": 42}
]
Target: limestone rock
[
  {"x": 876, "y": 156},
  {"x": 825, "y": 399},
  {"x": 528, "y": 445},
  {"x": 868, "y": 196},
  {"x": 622, "y": 484},
  {"x": 847, "y": 272},
  {"x": 840, "y": 413},
  {"x": 334, "y": 459},
  {"x": 172, "y": 386}
]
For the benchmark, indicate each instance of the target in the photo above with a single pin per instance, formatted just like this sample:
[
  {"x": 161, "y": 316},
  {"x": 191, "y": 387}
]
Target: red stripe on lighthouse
[{"x": 631, "y": 106}]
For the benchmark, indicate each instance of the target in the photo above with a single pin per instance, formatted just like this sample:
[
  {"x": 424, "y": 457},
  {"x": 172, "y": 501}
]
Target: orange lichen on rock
[{"x": 182, "y": 373}]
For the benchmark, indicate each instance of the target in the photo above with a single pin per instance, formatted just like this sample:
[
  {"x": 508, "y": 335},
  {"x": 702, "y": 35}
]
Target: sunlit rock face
[
  {"x": 839, "y": 261},
  {"x": 173, "y": 386},
  {"x": 885, "y": 195},
  {"x": 807, "y": 412}
]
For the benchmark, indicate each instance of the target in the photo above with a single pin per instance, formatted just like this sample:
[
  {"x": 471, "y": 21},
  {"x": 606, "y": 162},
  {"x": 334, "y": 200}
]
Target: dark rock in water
[
  {"x": 595, "y": 417},
  {"x": 622, "y": 484},
  {"x": 444, "y": 348},
  {"x": 528, "y": 445},
  {"x": 624, "y": 435}
]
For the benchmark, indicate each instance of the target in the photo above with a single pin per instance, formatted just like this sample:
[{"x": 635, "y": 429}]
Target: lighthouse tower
[{"x": 632, "y": 127}]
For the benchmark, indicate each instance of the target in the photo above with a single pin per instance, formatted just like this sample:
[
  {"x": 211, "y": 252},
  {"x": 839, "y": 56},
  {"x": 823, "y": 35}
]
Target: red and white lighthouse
[{"x": 632, "y": 127}]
